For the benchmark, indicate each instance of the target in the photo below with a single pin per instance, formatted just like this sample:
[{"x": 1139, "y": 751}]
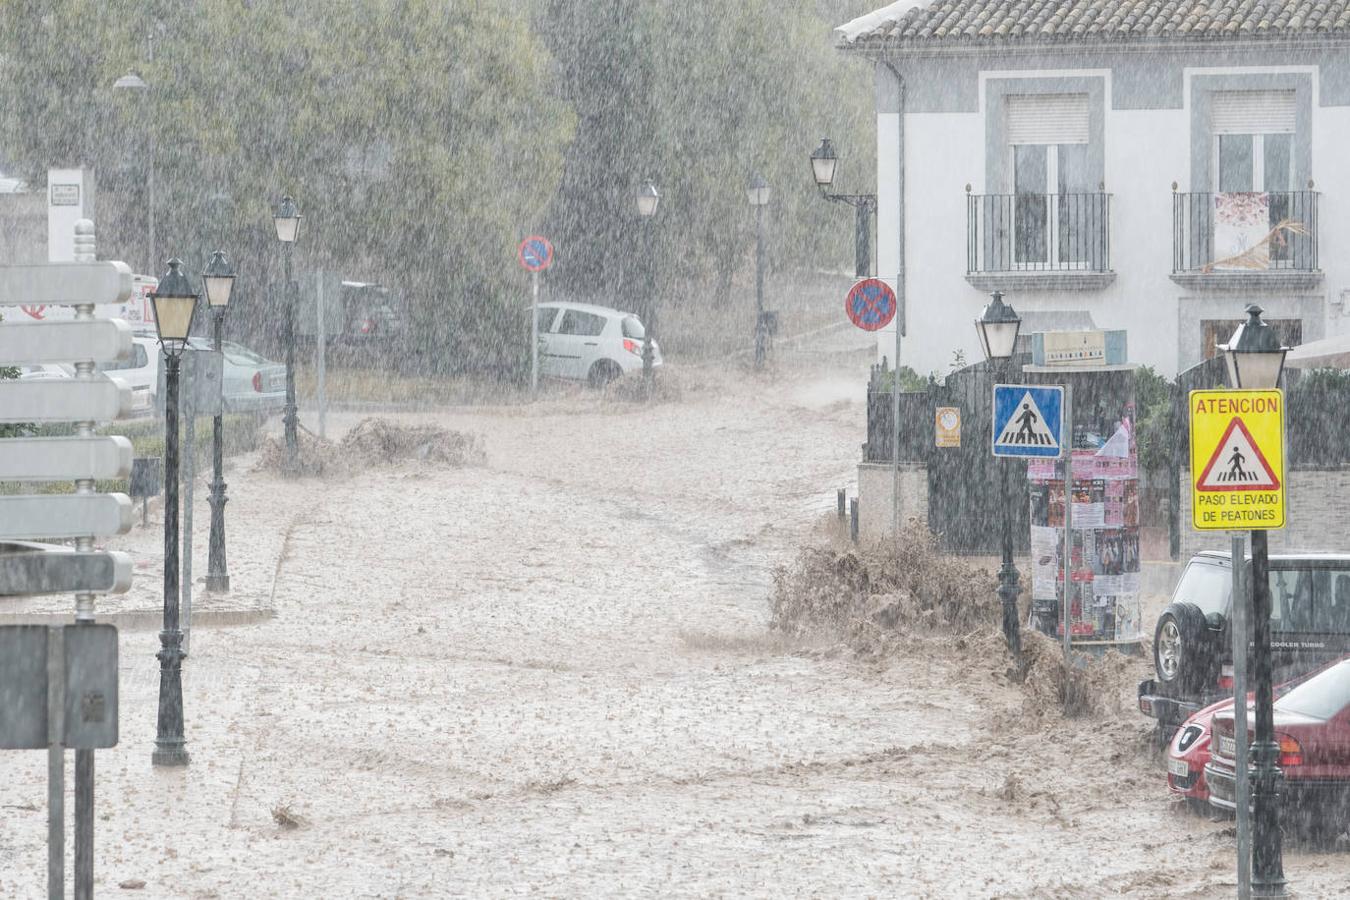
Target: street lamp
[
  {"x": 998, "y": 326},
  {"x": 286, "y": 218},
  {"x": 1255, "y": 360},
  {"x": 174, "y": 302},
  {"x": 757, "y": 192},
  {"x": 135, "y": 84},
  {"x": 824, "y": 162},
  {"x": 647, "y": 199},
  {"x": 218, "y": 280}
]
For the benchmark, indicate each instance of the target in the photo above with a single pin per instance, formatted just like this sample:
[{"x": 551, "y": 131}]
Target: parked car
[
  {"x": 1192, "y": 655},
  {"x": 1312, "y": 727},
  {"x": 142, "y": 401},
  {"x": 252, "y": 383},
  {"x": 595, "y": 344},
  {"x": 1189, "y": 751}
]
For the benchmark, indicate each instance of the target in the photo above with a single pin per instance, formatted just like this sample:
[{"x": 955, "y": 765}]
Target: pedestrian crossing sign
[
  {"x": 1028, "y": 420},
  {"x": 1237, "y": 460}
]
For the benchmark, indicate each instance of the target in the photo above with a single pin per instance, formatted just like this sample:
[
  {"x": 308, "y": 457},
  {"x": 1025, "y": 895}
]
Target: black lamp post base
[
  {"x": 169, "y": 756},
  {"x": 218, "y": 584}
]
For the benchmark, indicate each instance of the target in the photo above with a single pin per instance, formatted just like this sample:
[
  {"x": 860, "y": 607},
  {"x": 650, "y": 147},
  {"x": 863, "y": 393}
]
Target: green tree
[{"x": 416, "y": 136}]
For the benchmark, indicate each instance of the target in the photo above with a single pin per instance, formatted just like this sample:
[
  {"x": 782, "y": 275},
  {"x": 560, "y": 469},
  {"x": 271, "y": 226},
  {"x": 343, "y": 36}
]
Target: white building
[{"x": 1111, "y": 157}]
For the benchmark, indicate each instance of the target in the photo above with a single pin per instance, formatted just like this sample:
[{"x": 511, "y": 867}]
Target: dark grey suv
[{"x": 1192, "y": 644}]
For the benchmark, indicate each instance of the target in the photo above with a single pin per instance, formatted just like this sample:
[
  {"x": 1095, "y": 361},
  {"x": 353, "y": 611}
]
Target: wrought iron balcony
[
  {"x": 1044, "y": 240},
  {"x": 1223, "y": 239}
]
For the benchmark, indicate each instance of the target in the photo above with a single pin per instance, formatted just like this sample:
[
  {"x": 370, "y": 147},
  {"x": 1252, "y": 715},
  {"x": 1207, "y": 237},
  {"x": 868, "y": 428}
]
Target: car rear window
[
  {"x": 1207, "y": 586},
  {"x": 632, "y": 328},
  {"x": 1310, "y": 600},
  {"x": 242, "y": 356},
  {"x": 139, "y": 360},
  {"x": 1322, "y": 696}
]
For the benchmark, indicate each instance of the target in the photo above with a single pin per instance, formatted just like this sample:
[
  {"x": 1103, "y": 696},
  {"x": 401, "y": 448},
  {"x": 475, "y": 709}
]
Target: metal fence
[
  {"x": 1289, "y": 224},
  {"x": 1038, "y": 232}
]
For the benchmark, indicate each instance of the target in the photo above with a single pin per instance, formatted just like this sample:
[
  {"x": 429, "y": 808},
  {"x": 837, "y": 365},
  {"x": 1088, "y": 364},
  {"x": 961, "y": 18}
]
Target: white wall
[{"x": 1146, "y": 150}]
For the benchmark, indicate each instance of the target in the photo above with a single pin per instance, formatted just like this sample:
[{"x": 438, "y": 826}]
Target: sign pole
[
  {"x": 1068, "y": 523},
  {"x": 1243, "y": 792},
  {"x": 56, "y": 765},
  {"x": 895, "y": 438},
  {"x": 534, "y": 333},
  {"x": 322, "y": 353}
]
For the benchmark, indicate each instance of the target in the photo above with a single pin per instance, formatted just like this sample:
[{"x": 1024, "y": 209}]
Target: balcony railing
[
  {"x": 1038, "y": 233},
  {"x": 1244, "y": 232}
]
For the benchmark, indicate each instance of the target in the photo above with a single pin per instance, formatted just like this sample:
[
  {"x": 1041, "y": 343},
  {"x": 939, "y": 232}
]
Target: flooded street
[{"x": 552, "y": 674}]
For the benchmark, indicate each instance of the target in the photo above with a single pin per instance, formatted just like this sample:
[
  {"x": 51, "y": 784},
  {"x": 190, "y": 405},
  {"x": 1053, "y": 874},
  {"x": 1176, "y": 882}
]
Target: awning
[{"x": 1328, "y": 353}]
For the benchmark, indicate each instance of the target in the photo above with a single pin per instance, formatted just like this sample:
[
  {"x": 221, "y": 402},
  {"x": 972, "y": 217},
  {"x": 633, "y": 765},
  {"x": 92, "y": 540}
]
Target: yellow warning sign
[{"x": 1237, "y": 460}]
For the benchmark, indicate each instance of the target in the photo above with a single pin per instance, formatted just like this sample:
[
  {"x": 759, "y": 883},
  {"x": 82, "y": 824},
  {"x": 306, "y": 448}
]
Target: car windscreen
[
  {"x": 632, "y": 328},
  {"x": 1307, "y": 599},
  {"x": 1322, "y": 696},
  {"x": 1207, "y": 586}
]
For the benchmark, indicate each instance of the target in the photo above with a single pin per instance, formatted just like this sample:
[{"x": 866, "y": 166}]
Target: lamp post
[
  {"x": 218, "y": 280},
  {"x": 286, "y": 217},
  {"x": 174, "y": 303},
  {"x": 647, "y": 199},
  {"x": 1255, "y": 360},
  {"x": 824, "y": 161},
  {"x": 998, "y": 327},
  {"x": 134, "y": 83},
  {"x": 757, "y": 192}
]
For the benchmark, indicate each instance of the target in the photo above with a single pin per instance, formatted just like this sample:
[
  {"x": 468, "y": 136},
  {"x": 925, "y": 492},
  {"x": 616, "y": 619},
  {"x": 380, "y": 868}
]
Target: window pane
[
  {"x": 1030, "y": 214},
  {"x": 1073, "y": 169},
  {"x": 546, "y": 316},
  {"x": 1235, "y": 163},
  {"x": 632, "y": 328},
  {"x": 1278, "y": 162},
  {"x": 1322, "y": 696}
]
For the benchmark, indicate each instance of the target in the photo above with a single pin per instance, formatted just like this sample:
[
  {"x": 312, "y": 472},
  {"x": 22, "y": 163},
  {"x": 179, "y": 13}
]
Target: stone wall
[
  {"x": 1317, "y": 517},
  {"x": 875, "y": 490}
]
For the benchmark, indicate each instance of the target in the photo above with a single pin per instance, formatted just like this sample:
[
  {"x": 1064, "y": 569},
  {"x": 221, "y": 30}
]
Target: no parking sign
[{"x": 870, "y": 304}]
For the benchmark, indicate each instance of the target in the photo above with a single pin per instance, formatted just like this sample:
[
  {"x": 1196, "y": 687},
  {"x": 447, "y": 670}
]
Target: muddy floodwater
[{"x": 550, "y": 673}]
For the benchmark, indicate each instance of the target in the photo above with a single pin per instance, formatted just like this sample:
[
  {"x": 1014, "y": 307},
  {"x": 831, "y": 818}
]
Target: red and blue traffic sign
[
  {"x": 870, "y": 304},
  {"x": 536, "y": 253}
]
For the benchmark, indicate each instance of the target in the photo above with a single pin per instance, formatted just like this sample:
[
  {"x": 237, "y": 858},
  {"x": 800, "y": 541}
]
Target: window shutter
[
  {"x": 1252, "y": 112},
  {"x": 1047, "y": 118}
]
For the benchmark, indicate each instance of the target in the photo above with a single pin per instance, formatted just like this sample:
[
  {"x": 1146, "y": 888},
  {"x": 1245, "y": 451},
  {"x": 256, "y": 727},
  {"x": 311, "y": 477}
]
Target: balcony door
[
  {"x": 1254, "y": 153},
  {"x": 1048, "y": 148}
]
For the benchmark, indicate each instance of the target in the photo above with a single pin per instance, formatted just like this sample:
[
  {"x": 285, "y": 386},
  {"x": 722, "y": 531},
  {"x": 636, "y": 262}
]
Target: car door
[{"x": 576, "y": 342}]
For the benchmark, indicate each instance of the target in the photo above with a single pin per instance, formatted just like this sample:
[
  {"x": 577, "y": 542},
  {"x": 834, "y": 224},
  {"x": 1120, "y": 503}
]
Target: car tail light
[
  {"x": 1146, "y": 706},
  {"x": 1291, "y": 752},
  {"x": 257, "y": 382},
  {"x": 632, "y": 347},
  {"x": 1226, "y": 678},
  {"x": 367, "y": 326}
]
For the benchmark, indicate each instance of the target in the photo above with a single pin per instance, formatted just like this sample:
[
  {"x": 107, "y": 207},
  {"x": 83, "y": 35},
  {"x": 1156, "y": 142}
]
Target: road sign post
[
  {"x": 46, "y": 663},
  {"x": 870, "y": 304},
  {"x": 1238, "y": 483},
  {"x": 535, "y": 254}
]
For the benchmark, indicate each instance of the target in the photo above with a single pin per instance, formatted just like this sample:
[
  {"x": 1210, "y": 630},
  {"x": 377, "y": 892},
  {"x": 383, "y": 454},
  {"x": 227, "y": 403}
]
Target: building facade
[{"x": 1152, "y": 166}]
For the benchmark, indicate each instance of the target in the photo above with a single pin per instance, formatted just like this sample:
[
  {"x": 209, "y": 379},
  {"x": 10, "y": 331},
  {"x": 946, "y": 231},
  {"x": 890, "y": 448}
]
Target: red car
[
  {"x": 1188, "y": 754},
  {"x": 1312, "y": 726}
]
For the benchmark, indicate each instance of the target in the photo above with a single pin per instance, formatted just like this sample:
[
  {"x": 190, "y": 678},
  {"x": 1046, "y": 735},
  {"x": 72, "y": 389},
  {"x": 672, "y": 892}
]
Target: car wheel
[
  {"x": 1182, "y": 648},
  {"x": 603, "y": 372}
]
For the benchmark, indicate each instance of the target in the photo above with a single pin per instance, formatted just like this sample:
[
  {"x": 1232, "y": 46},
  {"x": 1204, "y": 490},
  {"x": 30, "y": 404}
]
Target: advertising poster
[{"x": 1104, "y": 591}]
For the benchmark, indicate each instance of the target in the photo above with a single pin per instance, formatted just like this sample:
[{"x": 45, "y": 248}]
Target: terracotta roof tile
[{"x": 992, "y": 21}]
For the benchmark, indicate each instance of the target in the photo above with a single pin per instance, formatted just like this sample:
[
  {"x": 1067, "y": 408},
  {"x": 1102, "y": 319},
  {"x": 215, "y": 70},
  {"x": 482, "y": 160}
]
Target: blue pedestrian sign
[{"x": 1028, "y": 420}]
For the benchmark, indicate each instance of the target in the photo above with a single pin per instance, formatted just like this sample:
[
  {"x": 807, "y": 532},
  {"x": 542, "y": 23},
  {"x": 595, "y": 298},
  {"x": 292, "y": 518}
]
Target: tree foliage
[{"x": 423, "y": 139}]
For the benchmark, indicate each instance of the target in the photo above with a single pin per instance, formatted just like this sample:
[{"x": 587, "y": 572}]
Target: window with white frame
[
  {"x": 1253, "y": 149},
  {"x": 1048, "y": 157}
]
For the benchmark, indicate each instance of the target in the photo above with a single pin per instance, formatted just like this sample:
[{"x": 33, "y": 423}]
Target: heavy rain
[{"x": 617, "y": 448}]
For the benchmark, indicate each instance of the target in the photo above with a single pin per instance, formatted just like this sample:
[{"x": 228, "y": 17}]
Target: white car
[{"x": 595, "y": 344}]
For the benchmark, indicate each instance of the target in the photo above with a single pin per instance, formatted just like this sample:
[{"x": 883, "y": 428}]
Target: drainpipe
[{"x": 899, "y": 296}]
